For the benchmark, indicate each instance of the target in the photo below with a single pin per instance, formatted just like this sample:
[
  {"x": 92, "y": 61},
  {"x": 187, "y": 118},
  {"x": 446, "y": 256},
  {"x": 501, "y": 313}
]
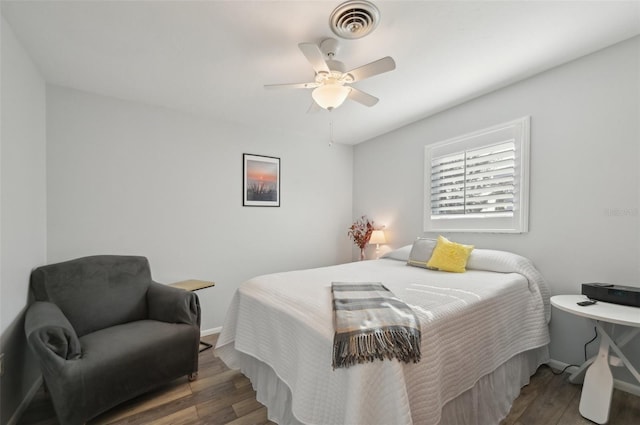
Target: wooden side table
[
  {"x": 195, "y": 285},
  {"x": 595, "y": 401}
]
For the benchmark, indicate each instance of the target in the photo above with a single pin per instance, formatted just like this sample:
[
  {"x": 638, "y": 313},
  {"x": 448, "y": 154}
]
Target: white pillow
[
  {"x": 496, "y": 261},
  {"x": 401, "y": 254}
]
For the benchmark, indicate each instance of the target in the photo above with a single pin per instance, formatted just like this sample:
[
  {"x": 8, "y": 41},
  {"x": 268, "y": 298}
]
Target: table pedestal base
[{"x": 595, "y": 401}]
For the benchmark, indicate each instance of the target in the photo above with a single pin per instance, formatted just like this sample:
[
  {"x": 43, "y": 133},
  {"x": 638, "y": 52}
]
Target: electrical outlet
[{"x": 1, "y": 364}]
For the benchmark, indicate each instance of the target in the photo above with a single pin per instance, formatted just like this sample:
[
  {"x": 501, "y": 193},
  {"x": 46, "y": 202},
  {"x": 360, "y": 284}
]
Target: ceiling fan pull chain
[{"x": 330, "y": 133}]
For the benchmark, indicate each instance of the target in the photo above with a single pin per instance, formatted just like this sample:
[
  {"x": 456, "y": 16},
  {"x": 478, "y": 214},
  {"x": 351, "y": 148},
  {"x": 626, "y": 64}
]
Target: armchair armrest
[
  {"x": 50, "y": 334},
  {"x": 173, "y": 305}
]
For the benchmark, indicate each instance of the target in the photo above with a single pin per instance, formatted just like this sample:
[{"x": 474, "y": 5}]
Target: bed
[{"x": 484, "y": 333}]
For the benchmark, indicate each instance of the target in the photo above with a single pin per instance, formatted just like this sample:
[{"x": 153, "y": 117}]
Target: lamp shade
[
  {"x": 377, "y": 237},
  {"x": 330, "y": 96}
]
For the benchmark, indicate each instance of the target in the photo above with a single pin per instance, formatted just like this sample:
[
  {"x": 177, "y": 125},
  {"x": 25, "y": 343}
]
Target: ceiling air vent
[{"x": 354, "y": 19}]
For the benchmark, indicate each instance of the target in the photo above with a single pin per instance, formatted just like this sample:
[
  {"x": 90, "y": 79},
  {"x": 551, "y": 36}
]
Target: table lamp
[{"x": 377, "y": 237}]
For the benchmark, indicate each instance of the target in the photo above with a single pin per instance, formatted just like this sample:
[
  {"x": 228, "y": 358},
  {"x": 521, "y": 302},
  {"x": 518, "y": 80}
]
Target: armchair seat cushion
[{"x": 120, "y": 362}]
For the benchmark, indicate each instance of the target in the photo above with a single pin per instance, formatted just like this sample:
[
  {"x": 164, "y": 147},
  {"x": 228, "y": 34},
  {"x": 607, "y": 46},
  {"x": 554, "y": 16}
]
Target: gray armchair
[{"x": 104, "y": 332}]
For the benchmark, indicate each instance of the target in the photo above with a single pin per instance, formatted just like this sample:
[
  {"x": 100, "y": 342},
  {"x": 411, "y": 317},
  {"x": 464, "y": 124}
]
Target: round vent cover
[{"x": 354, "y": 19}]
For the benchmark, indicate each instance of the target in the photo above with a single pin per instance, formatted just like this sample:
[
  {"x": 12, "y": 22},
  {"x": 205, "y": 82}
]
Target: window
[{"x": 479, "y": 182}]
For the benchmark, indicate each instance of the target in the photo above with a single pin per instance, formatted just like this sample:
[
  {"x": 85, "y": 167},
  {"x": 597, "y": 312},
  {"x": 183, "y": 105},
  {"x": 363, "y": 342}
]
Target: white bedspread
[{"x": 471, "y": 323}]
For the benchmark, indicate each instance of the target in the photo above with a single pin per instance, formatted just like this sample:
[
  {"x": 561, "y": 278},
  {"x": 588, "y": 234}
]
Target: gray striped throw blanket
[{"x": 371, "y": 323}]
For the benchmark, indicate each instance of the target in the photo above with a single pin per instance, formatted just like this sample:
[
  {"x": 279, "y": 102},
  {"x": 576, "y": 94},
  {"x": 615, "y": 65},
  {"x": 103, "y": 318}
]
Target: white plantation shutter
[{"x": 478, "y": 182}]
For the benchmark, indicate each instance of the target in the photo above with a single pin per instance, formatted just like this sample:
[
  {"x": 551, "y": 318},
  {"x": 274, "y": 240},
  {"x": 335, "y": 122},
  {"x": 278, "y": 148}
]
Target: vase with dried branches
[{"x": 360, "y": 232}]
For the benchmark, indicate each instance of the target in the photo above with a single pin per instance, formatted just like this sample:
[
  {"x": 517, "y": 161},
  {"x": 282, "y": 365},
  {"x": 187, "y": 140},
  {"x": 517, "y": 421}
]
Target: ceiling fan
[{"x": 332, "y": 84}]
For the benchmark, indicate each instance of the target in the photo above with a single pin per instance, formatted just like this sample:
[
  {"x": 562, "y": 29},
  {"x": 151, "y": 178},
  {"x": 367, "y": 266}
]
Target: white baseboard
[
  {"x": 621, "y": 385},
  {"x": 25, "y": 402},
  {"x": 211, "y": 331}
]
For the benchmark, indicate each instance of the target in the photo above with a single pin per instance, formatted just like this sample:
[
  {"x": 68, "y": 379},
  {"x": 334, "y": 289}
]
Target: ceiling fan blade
[
  {"x": 314, "y": 56},
  {"x": 362, "y": 97},
  {"x": 292, "y": 86},
  {"x": 374, "y": 68}
]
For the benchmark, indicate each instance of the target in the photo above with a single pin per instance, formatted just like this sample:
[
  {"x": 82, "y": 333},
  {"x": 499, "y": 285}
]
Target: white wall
[
  {"x": 22, "y": 211},
  {"x": 125, "y": 178},
  {"x": 585, "y": 184}
]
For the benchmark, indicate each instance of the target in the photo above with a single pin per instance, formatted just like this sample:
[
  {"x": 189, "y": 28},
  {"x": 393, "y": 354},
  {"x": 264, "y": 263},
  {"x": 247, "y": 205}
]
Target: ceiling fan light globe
[{"x": 330, "y": 96}]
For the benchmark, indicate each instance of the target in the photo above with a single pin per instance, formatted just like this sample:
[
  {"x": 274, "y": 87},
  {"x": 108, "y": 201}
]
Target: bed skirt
[{"x": 487, "y": 402}]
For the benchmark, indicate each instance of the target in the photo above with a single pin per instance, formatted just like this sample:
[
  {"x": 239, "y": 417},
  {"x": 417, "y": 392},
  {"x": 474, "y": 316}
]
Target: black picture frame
[{"x": 260, "y": 181}]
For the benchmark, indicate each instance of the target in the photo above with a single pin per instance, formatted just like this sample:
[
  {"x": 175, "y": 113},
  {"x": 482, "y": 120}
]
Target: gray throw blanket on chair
[{"x": 371, "y": 323}]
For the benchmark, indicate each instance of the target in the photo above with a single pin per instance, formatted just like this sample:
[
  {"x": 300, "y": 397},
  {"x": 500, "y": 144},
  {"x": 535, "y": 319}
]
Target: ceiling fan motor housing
[
  {"x": 329, "y": 48},
  {"x": 335, "y": 66}
]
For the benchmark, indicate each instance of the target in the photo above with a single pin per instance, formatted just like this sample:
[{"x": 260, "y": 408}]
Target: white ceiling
[{"x": 213, "y": 57}]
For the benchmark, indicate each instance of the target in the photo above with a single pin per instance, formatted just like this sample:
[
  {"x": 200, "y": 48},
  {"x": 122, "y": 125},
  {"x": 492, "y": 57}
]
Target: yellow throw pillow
[{"x": 450, "y": 256}]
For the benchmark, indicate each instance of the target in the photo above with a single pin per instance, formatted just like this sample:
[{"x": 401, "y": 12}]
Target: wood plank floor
[{"x": 222, "y": 396}]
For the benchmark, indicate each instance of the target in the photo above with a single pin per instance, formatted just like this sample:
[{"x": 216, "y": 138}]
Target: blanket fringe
[{"x": 402, "y": 344}]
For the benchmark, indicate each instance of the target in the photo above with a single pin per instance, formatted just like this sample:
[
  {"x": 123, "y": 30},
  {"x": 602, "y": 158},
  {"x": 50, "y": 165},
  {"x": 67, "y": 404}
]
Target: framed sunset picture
[{"x": 260, "y": 181}]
